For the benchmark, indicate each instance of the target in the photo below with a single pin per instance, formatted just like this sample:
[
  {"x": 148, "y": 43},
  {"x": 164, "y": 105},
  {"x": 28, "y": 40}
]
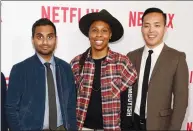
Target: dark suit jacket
[
  {"x": 169, "y": 76},
  {"x": 3, "y": 97},
  {"x": 25, "y": 103}
]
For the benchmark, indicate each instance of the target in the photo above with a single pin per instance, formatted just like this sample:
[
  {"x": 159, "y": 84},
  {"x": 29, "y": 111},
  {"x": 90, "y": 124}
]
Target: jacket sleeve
[
  {"x": 129, "y": 74},
  {"x": 126, "y": 104},
  {"x": 180, "y": 90},
  {"x": 71, "y": 108},
  {"x": 14, "y": 93}
]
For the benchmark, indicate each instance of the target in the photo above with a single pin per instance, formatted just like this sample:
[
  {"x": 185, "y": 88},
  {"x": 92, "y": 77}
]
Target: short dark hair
[
  {"x": 43, "y": 22},
  {"x": 154, "y": 10}
]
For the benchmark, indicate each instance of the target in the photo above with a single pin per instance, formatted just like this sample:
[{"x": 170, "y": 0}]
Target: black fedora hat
[{"x": 116, "y": 27}]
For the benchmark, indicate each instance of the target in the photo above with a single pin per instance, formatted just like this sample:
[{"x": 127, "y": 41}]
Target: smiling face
[
  {"x": 99, "y": 35},
  {"x": 153, "y": 29},
  {"x": 44, "y": 41}
]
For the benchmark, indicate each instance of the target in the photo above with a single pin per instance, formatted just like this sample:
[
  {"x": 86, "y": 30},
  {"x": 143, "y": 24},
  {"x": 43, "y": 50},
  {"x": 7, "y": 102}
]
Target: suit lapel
[
  {"x": 138, "y": 60},
  {"x": 159, "y": 61}
]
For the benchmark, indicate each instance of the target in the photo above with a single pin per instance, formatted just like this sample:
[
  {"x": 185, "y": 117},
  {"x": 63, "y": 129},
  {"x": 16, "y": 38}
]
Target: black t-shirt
[{"x": 94, "y": 119}]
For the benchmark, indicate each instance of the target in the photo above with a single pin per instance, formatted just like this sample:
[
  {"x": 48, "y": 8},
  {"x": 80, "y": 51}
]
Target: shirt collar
[
  {"x": 157, "y": 50},
  {"x": 43, "y": 61},
  {"x": 109, "y": 56}
]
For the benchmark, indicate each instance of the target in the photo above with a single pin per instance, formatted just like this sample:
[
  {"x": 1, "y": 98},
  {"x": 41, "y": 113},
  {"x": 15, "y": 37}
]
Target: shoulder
[
  {"x": 175, "y": 52},
  {"x": 75, "y": 60},
  {"x": 2, "y": 77},
  {"x": 19, "y": 69},
  {"x": 23, "y": 64},
  {"x": 120, "y": 58},
  {"x": 61, "y": 62},
  {"x": 118, "y": 55},
  {"x": 135, "y": 52},
  {"x": 173, "y": 55}
]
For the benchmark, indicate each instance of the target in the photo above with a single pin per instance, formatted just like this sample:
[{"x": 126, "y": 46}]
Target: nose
[
  {"x": 99, "y": 33},
  {"x": 45, "y": 41},
  {"x": 151, "y": 29}
]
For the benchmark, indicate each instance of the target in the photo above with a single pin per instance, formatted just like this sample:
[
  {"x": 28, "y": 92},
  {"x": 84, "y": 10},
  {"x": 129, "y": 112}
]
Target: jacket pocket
[
  {"x": 25, "y": 112},
  {"x": 165, "y": 112},
  {"x": 164, "y": 119}
]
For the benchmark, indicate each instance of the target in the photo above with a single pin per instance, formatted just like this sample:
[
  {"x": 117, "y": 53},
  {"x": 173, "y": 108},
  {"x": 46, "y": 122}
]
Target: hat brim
[{"x": 116, "y": 27}]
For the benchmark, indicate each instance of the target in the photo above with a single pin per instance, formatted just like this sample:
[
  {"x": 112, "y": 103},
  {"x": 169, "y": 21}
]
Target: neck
[
  {"x": 154, "y": 46},
  {"x": 98, "y": 54},
  {"x": 46, "y": 57}
]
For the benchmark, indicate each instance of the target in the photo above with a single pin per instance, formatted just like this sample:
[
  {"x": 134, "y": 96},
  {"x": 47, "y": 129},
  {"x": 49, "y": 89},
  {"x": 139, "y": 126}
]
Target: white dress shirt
[{"x": 154, "y": 56}]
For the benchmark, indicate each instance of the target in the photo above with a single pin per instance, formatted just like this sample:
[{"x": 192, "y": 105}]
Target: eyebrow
[
  {"x": 47, "y": 34},
  {"x": 94, "y": 27},
  {"x": 153, "y": 23}
]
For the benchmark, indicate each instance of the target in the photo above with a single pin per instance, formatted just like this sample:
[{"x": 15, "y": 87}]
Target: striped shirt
[{"x": 117, "y": 74}]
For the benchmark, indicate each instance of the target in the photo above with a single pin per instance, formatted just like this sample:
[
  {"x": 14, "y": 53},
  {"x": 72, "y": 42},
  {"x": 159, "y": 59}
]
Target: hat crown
[{"x": 105, "y": 12}]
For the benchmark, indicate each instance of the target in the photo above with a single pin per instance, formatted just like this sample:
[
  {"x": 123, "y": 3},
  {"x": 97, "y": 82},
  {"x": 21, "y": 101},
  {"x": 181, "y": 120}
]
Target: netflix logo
[
  {"x": 189, "y": 126},
  {"x": 191, "y": 76},
  {"x": 135, "y": 19},
  {"x": 64, "y": 14}
]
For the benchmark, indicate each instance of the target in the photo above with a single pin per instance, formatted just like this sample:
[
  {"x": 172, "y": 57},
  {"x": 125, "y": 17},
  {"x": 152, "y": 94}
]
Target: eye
[
  {"x": 50, "y": 37},
  {"x": 145, "y": 26},
  {"x": 94, "y": 30},
  {"x": 39, "y": 37},
  {"x": 105, "y": 30},
  {"x": 157, "y": 25}
]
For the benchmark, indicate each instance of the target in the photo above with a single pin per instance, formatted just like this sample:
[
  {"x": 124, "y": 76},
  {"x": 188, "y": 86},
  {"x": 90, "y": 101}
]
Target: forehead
[
  {"x": 100, "y": 23},
  {"x": 153, "y": 17},
  {"x": 44, "y": 29}
]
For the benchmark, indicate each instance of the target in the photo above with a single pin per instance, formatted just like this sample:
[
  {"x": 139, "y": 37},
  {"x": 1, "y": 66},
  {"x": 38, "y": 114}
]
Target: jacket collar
[{"x": 38, "y": 62}]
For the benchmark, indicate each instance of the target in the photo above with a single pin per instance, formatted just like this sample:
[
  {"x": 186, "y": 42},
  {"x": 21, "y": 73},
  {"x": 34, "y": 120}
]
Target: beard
[{"x": 43, "y": 52}]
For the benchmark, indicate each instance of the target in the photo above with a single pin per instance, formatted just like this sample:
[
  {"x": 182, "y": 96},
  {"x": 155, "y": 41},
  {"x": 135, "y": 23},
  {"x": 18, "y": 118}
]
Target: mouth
[
  {"x": 98, "y": 42},
  {"x": 45, "y": 47},
  {"x": 151, "y": 37}
]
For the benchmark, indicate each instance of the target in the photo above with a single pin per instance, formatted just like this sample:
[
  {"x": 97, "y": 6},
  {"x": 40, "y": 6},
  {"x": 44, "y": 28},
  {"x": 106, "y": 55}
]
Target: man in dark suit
[
  {"x": 163, "y": 78},
  {"x": 41, "y": 91},
  {"x": 3, "y": 97}
]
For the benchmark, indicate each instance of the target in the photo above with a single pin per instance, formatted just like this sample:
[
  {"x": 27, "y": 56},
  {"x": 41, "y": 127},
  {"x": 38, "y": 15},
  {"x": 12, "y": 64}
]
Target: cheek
[
  {"x": 91, "y": 36},
  {"x": 107, "y": 37},
  {"x": 144, "y": 35},
  {"x": 37, "y": 42},
  {"x": 52, "y": 42},
  {"x": 162, "y": 32},
  {"x": 144, "y": 32}
]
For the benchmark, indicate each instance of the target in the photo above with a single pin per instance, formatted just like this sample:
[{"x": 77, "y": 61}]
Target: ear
[
  {"x": 32, "y": 41},
  {"x": 56, "y": 42},
  {"x": 89, "y": 35},
  {"x": 110, "y": 35},
  {"x": 165, "y": 29}
]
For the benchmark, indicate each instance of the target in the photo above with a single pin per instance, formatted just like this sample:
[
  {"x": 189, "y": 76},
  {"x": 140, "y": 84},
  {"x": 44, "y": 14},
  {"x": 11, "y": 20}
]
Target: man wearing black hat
[
  {"x": 101, "y": 74},
  {"x": 163, "y": 78}
]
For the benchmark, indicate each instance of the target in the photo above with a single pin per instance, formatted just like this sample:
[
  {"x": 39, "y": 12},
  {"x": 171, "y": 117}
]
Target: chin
[
  {"x": 99, "y": 49},
  {"x": 151, "y": 43},
  {"x": 45, "y": 53}
]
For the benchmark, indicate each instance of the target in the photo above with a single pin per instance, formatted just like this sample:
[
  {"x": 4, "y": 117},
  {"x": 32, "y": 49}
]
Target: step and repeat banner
[{"x": 17, "y": 19}]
